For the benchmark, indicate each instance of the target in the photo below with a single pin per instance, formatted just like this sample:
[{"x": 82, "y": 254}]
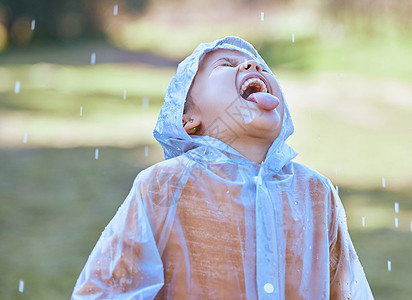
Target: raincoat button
[{"x": 268, "y": 288}]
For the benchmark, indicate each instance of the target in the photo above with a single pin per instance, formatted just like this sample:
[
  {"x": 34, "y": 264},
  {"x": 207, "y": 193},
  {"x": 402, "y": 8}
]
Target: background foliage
[{"x": 346, "y": 76}]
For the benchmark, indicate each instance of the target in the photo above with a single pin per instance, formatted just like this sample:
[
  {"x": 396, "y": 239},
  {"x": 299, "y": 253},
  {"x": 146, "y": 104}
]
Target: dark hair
[
  {"x": 189, "y": 100},
  {"x": 188, "y": 104}
]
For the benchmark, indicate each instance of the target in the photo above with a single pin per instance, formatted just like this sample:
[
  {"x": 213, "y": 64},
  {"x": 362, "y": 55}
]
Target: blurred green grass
[
  {"x": 54, "y": 203},
  {"x": 351, "y": 124}
]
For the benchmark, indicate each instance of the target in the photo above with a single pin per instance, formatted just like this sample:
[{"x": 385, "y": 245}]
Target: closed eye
[{"x": 226, "y": 62}]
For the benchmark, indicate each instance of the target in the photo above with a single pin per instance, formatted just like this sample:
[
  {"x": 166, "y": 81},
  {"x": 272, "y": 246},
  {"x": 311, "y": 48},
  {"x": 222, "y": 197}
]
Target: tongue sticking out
[{"x": 264, "y": 100}]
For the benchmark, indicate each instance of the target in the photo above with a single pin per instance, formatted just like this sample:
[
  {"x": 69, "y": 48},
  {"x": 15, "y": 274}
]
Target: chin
[
  {"x": 268, "y": 119},
  {"x": 266, "y": 126}
]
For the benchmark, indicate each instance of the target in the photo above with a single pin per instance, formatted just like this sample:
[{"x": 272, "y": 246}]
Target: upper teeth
[{"x": 254, "y": 80}]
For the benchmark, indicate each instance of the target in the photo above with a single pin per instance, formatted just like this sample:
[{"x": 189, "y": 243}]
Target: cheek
[
  {"x": 206, "y": 102},
  {"x": 278, "y": 93},
  {"x": 275, "y": 87},
  {"x": 222, "y": 81},
  {"x": 213, "y": 94}
]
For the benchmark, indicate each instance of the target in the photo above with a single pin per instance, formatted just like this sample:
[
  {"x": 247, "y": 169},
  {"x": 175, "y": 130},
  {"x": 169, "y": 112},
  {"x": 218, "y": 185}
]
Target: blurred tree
[
  {"x": 373, "y": 17},
  {"x": 57, "y": 20},
  {"x": 400, "y": 8}
]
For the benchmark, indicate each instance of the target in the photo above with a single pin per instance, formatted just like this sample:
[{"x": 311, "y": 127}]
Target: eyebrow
[{"x": 233, "y": 61}]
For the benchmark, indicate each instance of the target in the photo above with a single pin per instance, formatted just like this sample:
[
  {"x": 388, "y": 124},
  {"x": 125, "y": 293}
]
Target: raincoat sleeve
[
  {"x": 125, "y": 263},
  {"x": 347, "y": 278}
]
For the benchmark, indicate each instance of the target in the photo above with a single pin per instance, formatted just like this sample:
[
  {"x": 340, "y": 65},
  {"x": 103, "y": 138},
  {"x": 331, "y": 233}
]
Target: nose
[{"x": 251, "y": 65}]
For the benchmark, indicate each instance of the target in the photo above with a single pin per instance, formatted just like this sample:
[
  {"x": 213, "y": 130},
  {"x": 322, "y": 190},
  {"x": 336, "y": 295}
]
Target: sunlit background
[{"x": 82, "y": 82}]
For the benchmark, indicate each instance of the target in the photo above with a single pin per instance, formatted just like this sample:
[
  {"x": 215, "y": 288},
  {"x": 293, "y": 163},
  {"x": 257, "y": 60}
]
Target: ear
[{"x": 191, "y": 124}]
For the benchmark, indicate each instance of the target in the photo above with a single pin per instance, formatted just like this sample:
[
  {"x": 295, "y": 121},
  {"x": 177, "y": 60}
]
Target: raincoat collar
[{"x": 175, "y": 141}]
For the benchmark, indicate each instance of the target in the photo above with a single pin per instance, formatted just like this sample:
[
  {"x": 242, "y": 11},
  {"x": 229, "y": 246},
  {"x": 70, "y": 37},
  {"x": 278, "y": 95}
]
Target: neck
[{"x": 254, "y": 149}]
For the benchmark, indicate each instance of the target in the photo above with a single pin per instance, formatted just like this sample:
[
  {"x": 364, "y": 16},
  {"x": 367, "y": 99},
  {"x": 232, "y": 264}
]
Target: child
[{"x": 227, "y": 215}]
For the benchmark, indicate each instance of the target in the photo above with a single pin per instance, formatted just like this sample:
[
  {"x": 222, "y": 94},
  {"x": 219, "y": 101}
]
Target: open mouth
[{"x": 251, "y": 86}]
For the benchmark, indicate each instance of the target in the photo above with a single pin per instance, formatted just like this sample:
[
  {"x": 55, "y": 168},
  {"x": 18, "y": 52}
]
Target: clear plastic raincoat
[{"x": 207, "y": 223}]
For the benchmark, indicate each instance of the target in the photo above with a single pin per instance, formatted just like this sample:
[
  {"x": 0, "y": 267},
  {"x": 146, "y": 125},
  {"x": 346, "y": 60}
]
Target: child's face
[{"x": 217, "y": 98}]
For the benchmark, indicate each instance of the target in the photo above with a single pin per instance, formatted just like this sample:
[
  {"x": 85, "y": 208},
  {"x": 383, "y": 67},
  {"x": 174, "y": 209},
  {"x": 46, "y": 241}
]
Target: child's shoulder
[
  {"x": 307, "y": 174},
  {"x": 166, "y": 168}
]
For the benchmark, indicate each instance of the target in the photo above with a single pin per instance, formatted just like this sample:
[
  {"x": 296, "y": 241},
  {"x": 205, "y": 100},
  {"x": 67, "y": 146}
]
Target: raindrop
[
  {"x": 25, "y": 138},
  {"x": 396, "y": 207},
  {"x": 396, "y": 222},
  {"x": 262, "y": 16},
  {"x": 145, "y": 102},
  {"x": 124, "y": 94},
  {"x": 33, "y": 24},
  {"x": 338, "y": 78},
  {"x": 268, "y": 288},
  {"x": 81, "y": 111},
  {"x": 411, "y": 225},
  {"x": 17, "y": 87},
  {"x": 363, "y": 221},
  {"x": 21, "y": 286},
  {"x": 96, "y": 154},
  {"x": 389, "y": 265},
  {"x": 115, "y": 10},
  {"x": 293, "y": 37},
  {"x": 383, "y": 182},
  {"x": 146, "y": 150},
  {"x": 93, "y": 58}
]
